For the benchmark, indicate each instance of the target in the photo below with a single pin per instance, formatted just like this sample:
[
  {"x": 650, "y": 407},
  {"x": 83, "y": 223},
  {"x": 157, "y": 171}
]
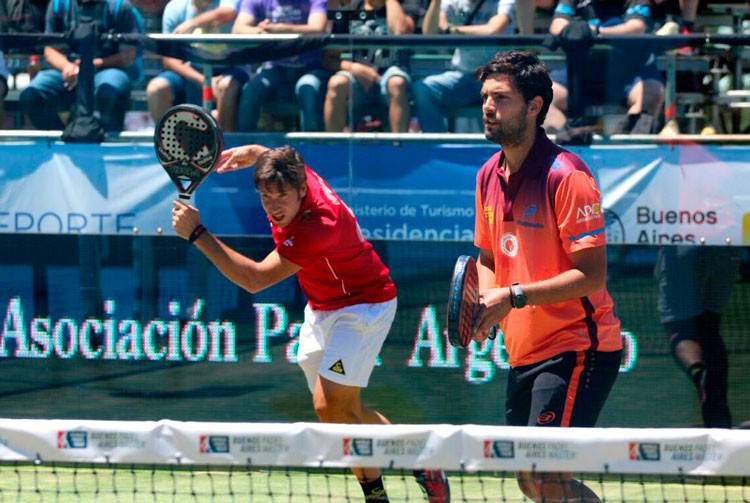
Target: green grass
[{"x": 24, "y": 483}]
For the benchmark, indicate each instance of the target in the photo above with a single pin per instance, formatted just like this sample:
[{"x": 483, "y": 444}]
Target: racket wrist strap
[{"x": 199, "y": 230}]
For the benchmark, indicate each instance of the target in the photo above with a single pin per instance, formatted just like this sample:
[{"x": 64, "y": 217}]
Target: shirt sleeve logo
[
  {"x": 489, "y": 214},
  {"x": 588, "y": 212}
]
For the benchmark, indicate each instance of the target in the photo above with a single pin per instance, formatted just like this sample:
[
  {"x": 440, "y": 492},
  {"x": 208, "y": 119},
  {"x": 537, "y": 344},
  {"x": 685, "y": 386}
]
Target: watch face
[{"x": 519, "y": 298}]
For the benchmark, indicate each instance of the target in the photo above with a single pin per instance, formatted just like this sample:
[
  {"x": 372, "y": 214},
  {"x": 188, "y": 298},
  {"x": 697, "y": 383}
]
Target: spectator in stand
[
  {"x": 526, "y": 12},
  {"x": 3, "y": 87},
  {"x": 182, "y": 81},
  {"x": 302, "y": 75},
  {"x": 17, "y": 17},
  {"x": 150, "y": 7},
  {"x": 374, "y": 78},
  {"x": 209, "y": 20},
  {"x": 674, "y": 16},
  {"x": 458, "y": 87},
  {"x": 630, "y": 75},
  {"x": 52, "y": 92}
]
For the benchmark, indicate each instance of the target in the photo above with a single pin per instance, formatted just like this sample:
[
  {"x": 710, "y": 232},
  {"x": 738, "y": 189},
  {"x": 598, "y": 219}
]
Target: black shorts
[{"x": 566, "y": 390}]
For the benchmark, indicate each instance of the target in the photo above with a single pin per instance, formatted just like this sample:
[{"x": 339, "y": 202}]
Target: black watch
[{"x": 517, "y": 297}]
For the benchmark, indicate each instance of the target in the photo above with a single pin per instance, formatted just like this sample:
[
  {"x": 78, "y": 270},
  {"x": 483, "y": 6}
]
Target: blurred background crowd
[{"x": 621, "y": 89}]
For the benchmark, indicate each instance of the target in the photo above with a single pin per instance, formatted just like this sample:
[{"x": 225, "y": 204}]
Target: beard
[{"x": 508, "y": 132}]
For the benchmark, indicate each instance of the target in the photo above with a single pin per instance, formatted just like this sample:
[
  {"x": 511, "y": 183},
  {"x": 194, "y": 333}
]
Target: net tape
[
  {"x": 452, "y": 447},
  {"x": 71, "y": 460}
]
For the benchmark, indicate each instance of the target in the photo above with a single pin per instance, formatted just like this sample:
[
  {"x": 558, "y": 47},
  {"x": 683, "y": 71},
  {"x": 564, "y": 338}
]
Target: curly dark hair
[{"x": 528, "y": 72}]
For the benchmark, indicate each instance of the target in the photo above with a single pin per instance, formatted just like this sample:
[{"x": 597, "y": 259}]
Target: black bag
[{"x": 577, "y": 36}]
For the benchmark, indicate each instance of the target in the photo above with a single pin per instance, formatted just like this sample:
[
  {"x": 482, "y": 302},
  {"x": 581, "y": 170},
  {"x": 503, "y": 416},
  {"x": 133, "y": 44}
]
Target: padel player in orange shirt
[{"x": 542, "y": 266}]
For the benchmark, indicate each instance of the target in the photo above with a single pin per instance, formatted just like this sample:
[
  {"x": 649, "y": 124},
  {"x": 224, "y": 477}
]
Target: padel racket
[
  {"x": 463, "y": 302},
  {"x": 188, "y": 142}
]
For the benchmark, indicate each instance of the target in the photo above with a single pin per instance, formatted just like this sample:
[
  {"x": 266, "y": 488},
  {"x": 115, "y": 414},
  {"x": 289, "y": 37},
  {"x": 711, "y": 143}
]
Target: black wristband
[{"x": 197, "y": 232}]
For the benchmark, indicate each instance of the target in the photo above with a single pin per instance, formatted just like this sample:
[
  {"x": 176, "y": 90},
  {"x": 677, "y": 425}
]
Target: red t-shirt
[
  {"x": 531, "y": 222},
  {"x": 339, "y": 266}
]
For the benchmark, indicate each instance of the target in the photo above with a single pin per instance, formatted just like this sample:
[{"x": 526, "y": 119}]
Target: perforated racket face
[
  {"x": 463, "y": 301},
  {"x": 188, "y": 142}
]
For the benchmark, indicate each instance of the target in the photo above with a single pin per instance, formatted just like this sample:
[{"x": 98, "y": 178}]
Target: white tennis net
[{"x": 70, "y": 460}]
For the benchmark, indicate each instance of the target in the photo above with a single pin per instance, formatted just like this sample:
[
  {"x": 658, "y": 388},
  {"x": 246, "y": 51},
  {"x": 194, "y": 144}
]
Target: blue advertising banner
[{"x": 650, "y": 194}]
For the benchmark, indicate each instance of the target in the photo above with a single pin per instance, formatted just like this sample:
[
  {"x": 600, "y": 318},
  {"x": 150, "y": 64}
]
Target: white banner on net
[{"x": 452, "y": 447}]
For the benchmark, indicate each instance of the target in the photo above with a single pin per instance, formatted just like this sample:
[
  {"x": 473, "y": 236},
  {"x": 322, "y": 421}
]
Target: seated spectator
[
  {"x": 52, "y": 92},
  {"x": 374, "y": 78},
  {"x": 150, "y": 7},
  {"x": 3, "y": 87},
  {"x": 674, "y": 16},
  {"x": 630, "y": 75},
  {"x": 281, "y": 80},
  {"x": 526, "y": 12},
  {"x": 182, "y": 81},
  {"x": 17, "y": 17},
  {"x": 458, "y": 87}
]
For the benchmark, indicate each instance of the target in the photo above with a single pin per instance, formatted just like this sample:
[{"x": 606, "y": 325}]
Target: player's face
[
  {"x": 281, "y": 206},
  {"x": 504, "y": 111}
]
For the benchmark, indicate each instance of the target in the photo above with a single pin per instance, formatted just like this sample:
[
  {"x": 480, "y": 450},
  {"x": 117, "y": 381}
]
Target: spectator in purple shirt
[{"x": 301, "y": 76}]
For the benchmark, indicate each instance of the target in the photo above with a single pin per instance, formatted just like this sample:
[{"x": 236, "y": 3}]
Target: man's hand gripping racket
[
  {"x": 463, "y": 303},
  {"x": 188, "y": 143}
]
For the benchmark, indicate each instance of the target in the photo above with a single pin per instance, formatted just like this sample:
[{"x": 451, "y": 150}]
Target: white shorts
[{"x": 342, "y": 345}]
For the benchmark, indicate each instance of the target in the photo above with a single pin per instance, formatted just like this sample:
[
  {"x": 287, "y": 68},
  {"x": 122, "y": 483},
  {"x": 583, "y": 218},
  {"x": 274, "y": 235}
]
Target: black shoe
[
  {"x": 715, "y": 411},
  {"x": 641, "y": 123}
]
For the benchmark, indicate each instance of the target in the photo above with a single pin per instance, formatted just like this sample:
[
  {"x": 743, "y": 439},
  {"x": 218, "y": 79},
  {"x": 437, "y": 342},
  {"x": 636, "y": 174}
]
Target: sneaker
[
  {"x": 668, "y": 28},
  {"x": 671, "y": 128},
  {"x": 672, "y": 28},
  {"x": 434, "y": 485},
  {"x": 687, "y": 50}
]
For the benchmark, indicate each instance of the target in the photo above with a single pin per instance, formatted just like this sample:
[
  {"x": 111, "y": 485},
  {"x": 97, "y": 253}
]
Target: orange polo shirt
[{"x": 531, "y": 222}]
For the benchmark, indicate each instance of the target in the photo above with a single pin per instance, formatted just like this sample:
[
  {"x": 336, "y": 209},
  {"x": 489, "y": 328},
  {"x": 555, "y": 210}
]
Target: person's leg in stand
[
  {"x": 259, "y": 89},
  {"x": 435, "y": 94},
  {"x": 112, "y": 90},
  {"x": 395, "y": 91},
  {"x": 43, "y": 98},
  {"x": 309, "y": 91},
  {"x": 228, "y": 90}
]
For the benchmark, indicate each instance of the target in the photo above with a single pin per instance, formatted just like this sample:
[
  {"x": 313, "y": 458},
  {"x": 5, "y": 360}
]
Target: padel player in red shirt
[
  {"x": 542, "y": 266},
  {"x": 351, "y": 297}
]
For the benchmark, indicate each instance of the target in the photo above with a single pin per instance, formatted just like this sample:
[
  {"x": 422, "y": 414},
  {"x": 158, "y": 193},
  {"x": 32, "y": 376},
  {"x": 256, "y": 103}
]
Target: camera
[{"x": 342, "y": 19}]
